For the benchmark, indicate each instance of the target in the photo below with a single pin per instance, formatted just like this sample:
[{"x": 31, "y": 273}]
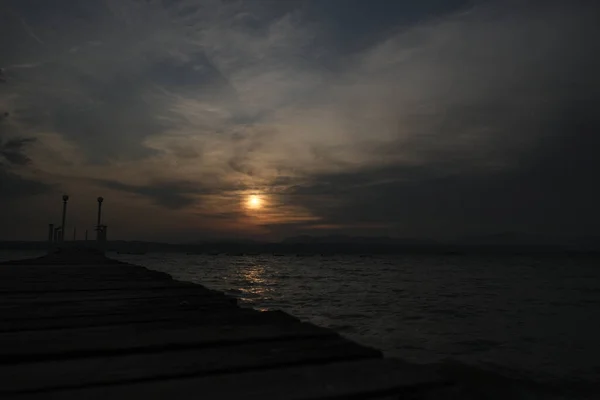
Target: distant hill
[
  {"x": 510, "y": 238},
  {"x": 343, "y": 239},
  {"x": 516, "y": 239},
  {"x": 497, "y": 243}
]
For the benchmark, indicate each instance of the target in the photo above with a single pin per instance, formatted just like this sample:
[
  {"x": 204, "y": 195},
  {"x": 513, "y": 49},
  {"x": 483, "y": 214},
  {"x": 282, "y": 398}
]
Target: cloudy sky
[{"x": 272, "y": 118}]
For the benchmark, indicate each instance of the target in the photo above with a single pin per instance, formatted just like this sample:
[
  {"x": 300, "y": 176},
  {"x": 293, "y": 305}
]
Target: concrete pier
[{"x": 77, "y": 325}]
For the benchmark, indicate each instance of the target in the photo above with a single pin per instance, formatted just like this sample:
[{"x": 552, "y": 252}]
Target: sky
[{"x": 199, "y": 119}]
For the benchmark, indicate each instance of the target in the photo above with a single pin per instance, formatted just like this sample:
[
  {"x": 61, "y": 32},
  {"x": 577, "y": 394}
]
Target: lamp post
[
  {"x": 50, "y": 233},
  {"x": 100, "y": 200},
  {"x": 64, "y": 217}
]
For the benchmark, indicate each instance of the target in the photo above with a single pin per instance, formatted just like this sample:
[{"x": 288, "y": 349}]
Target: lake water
[{"x": 525, "y": 327}]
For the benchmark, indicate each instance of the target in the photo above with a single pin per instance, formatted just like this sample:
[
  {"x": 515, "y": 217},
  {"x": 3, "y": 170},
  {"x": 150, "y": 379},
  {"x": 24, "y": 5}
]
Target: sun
[{"x": 254, "y": 202}]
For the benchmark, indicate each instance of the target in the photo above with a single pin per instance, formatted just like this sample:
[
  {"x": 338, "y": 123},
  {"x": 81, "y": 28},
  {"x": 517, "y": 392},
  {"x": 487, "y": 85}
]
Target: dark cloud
[
  {"x": 104, "y": 81},
  {"x": 245, "y": 145},
  {"x": 510, "y": 144},
  {"x": 12, "y": 156},
  {"x": 14, "y": 186},
  {"x": 13, "y": 151},
  {"x": 552, "y": 189},
  {"x": 171, "y": 195},
  {"x": 109, "y": 119},
  {"x": 184, "y": 152},
  {"x": 356, "y": 27}
]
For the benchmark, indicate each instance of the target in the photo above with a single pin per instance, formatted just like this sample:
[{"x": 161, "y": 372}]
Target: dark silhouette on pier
[{"x": 56, "y": 236}]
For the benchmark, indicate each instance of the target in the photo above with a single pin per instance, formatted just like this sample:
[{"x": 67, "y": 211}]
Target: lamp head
[{"x": 65, "y": 197}]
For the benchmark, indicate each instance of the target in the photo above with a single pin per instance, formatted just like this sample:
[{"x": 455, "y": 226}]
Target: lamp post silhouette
[
  {"x": 50, "y": 233},
  {"x": 64, "y": 217},
  {"x": 98, "y": 227}
]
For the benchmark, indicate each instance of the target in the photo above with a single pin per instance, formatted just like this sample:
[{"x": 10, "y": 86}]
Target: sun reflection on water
[{"x": 256, "y": 283}]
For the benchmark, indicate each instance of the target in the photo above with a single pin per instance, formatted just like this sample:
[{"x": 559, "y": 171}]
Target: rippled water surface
[
  {"x": 518, "y": 314},
  {"x": 534, "y": 319}
]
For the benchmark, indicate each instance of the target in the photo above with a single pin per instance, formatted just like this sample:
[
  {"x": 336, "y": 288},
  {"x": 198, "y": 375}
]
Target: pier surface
[{"x": 77, "y": 325}]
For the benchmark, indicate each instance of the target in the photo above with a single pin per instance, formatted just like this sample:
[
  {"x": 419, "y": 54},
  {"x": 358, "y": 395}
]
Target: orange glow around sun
[{"x": 254, "y": 202}]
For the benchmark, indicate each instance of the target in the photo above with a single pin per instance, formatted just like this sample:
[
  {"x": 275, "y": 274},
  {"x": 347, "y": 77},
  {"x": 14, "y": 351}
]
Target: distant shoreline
[{"x": 316, "y": 249}]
